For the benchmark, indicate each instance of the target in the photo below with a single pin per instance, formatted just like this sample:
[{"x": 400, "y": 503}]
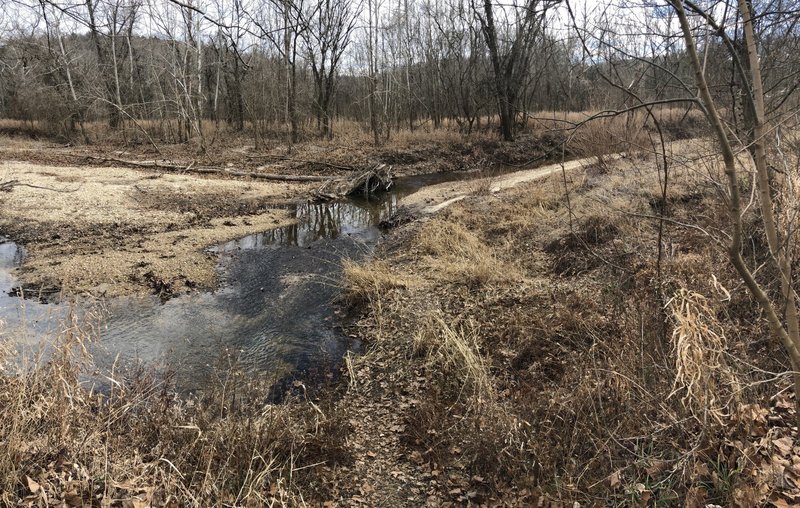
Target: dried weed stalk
[
  {"x": 699, "y": 345},
  {"x": 456, "y": 351}
]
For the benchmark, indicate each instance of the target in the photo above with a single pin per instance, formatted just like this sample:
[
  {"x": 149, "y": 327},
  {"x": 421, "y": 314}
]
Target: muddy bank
[
  {"x": 117, "y": 231},
  {"x": 431, "y": 152}
]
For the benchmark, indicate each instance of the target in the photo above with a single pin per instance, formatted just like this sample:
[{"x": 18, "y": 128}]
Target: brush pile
[{"x": 365, "y": 183}]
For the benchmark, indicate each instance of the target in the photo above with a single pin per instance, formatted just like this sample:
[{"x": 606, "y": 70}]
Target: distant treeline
[{"x": 283, "y": 67}]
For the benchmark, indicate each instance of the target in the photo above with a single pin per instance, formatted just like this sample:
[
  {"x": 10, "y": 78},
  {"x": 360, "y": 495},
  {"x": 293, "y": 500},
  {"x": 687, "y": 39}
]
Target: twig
[
  {"x": 674, "y": 222},
  {"x": 7, "y": 186}
]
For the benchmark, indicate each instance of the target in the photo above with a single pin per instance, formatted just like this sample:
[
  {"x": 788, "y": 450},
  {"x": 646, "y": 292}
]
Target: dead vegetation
[
  {"x": 425, "y": 150},
  {"x": 72, "y": 436},
  {"x": 577, "y": 372},
  {"x": 520, "y": 351}
]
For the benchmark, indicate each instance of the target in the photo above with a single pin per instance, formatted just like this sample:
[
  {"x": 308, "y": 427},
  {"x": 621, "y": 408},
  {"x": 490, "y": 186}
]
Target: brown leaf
[
  {"x": 695, "y": 498},
  {"x": 416, "y": 457},
  {"x": 656, "y": 466},
  {"x": 72, "y": 498},
  {"x": 784, "y": 445},
  {"x": 644, "y": 497},
  {"x": 783, "y": 402},
  {"x": 32, "y": 485},
  {"x": 614, "y": 479}
]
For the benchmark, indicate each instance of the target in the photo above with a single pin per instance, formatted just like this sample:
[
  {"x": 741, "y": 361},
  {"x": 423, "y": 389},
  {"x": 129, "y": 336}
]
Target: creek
[{"x": 272, "y": 314}]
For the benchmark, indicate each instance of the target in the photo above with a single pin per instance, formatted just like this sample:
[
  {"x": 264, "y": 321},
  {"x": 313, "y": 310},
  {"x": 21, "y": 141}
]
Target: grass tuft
[{"x": 461, "y": 256}]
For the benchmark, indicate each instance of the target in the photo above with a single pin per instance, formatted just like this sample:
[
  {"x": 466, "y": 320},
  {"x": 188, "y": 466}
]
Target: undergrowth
[
  {"x": 565, "y": 361},
  {"x": 133, "y": 442}
]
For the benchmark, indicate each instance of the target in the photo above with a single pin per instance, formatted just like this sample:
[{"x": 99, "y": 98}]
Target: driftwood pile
[{"x": 361, "y": 183}]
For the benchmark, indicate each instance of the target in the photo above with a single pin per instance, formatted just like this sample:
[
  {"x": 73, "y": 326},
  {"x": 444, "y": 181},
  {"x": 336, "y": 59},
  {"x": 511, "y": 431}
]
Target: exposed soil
[
  {"x": 117, "y": 231},
  {"x": 91, "y": 226}
]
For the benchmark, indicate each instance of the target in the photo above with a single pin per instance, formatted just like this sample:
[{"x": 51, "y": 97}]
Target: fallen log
[
  {"x": 302, "y": 161},
  {"x": 366, "y": 183},
  {"x": 206, "y": 170}
]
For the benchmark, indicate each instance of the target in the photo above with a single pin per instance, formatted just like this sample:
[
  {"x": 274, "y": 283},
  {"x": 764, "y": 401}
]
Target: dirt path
[
  {"x": 117, "y": 231},
  {"x": 437, "y": 197}
]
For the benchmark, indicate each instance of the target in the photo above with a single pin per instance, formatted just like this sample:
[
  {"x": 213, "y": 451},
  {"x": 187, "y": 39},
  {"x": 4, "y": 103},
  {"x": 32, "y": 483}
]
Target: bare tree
[
  {"x": 330, "y": 26},
  {"x": 510, "y": 60},
  {"x": 780, "y": 228}
]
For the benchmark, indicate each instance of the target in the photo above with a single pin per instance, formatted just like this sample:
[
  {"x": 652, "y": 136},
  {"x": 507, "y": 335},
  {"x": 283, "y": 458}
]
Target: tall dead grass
[
  {"x": 460, "y": 256},
  {"x": 364, "y": 283},
  {"x": 72, "y": 434},
  {"x": 576, "y": 369},
  {"x": 702, "y": 375},
  {"x": 455, "y": 352}
]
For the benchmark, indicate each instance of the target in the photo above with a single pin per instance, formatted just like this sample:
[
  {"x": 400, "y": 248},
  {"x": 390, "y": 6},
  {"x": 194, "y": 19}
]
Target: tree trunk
[
  {"x": 786, "y": 330},
  {"x": 504, "y": 107}
]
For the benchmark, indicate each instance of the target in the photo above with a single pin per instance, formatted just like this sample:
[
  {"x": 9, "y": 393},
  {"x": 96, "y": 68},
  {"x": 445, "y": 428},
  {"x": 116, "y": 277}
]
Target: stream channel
[{"x": 272, "y": 313}]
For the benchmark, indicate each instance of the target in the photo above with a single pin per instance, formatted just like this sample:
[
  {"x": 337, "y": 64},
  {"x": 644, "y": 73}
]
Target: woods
[
  {"x": 400, "y": 253},
  {"x": 280, "y": 69}
]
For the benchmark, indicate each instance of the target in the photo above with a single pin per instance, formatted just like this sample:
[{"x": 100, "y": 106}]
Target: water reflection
[
  {"x": 272, "y": 313},
  {"x": 316, "y": 221},
  {"x": 21, "y": 319}
]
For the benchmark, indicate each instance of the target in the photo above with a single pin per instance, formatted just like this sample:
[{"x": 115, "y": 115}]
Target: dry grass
[
  {"x": 455, "y": 352},
  {"x": 536, "y": 380},
  {"x": 572, "y": 376},
  {"x": 130, "y": 441},
  {"x": 460, "y": 256},
  {"x": 365, "y": 283},
  {"x": 699, "y": 346}
]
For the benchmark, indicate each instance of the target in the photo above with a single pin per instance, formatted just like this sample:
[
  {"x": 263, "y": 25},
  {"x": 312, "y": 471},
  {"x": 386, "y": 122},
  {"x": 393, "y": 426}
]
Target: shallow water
[
  {"x": 272, "y": 314},
  {"x": 23, "y": 319}
]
